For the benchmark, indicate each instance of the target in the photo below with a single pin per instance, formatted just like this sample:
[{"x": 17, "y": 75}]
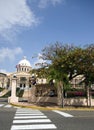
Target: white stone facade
[{"x": 23, "y": 75}]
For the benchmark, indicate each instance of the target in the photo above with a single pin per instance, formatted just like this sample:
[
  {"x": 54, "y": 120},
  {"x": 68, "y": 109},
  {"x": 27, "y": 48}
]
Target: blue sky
[{"x": 27, "y": 26}]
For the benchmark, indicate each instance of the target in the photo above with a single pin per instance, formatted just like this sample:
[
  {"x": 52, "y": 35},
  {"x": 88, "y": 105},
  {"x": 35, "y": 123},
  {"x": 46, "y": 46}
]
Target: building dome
[
  {"x": 24, "y": 62},
  {"x": 23, "y": 65}
]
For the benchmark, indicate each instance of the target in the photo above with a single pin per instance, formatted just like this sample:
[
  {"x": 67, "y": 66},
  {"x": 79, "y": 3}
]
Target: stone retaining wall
[
  {"x": 67, "y": 101},
  {"x": 78, "y": 102}
]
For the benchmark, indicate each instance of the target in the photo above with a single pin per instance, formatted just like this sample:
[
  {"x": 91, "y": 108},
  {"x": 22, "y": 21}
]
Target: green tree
[
  {"x": 86, "y": 68},
  {"x": 65, "y": 63},
  {"x": 60, "y": 66}
]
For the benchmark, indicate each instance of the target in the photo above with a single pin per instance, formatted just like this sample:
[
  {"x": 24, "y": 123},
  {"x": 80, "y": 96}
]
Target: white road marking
[
  {"x": 28, "y": 119},
  {"x": 25, "y": 117},
  {"x": 1, "y": 105},
  {"x": 32, "y": 121},
  {"x": 28, "y": 114},
  {"x": 33, "y": 127},
  {"x": 63, "y": 113},
  {"x": 8, "y": 106},
  {"x": 24, "y": 109}
]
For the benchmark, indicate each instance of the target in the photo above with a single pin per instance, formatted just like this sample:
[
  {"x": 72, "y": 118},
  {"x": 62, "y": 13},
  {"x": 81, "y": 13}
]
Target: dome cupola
[
  {"x": 23, "y": 65},
  {"x": 24, "y": 62}
]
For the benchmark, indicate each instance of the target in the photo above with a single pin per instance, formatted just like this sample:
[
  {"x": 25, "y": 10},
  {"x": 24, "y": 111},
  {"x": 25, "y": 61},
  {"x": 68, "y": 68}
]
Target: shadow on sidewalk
[{"x": 45, "y": 104}]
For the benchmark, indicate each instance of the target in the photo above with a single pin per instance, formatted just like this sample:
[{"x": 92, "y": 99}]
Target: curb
[
  {"x": 51, "y": 108},
  {"x": 36, "y": 107}
]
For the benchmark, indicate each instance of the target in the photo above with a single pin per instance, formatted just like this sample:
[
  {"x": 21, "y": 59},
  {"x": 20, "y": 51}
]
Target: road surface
[{"x": 16, "y": 118}]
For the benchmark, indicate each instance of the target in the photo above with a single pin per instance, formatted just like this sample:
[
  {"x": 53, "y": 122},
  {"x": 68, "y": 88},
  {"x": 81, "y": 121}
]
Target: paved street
[
  {"x": 12, "y": 118},
  {"x": 7, "y": 113}
]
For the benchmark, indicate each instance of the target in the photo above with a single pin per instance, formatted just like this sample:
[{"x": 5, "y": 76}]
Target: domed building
[
  {"x": 23, "y": 65},
  {"x": 22, "y": 74}
]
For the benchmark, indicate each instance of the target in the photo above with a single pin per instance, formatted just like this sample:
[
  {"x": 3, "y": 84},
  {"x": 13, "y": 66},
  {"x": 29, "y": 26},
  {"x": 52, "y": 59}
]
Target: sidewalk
[
  {"x": 35, "y": 106},
  {"x": 50, "y": 107}
]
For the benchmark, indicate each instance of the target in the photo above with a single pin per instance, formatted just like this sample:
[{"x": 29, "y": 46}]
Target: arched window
[
  {"x": 22, "y": 69},
  {"x": 20, "y": 85},
  {"x": 24, "y": 85},
  {"x": 29, "y": 85}
]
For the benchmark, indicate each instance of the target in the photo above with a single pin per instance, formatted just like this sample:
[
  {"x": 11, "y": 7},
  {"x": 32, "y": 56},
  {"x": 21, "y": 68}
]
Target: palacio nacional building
[
  {"x": 22, "y": 74},
  {"x": 26, "y": 82}
]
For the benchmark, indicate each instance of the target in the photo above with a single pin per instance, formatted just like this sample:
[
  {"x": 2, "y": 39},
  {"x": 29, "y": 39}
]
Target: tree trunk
[
  {"x": 88, "y": 97},
  {"x": 60, "y": 94}
]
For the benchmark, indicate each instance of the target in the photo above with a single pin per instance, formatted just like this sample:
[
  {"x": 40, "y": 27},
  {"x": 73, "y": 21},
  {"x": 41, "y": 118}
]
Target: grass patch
[
  {"x": 8, "y": 94},
  {"x": 1, "y": 89},
  {"x": 20, "y": 93}
]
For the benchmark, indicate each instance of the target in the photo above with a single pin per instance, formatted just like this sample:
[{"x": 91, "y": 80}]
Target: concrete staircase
[{"x": 2, "y": 93}]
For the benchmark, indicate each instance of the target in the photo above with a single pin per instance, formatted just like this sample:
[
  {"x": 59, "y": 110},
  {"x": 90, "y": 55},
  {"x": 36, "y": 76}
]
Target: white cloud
[
  {"x": 13, "y": 14},
  {"x": 7, "y": 53},
  {"x": 44, "y": 3},
  {"x": 3, "y": 71}
]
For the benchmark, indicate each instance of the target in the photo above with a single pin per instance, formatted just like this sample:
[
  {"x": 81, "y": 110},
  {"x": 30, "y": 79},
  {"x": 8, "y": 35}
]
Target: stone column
[{"x": 13, "y": 97}]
